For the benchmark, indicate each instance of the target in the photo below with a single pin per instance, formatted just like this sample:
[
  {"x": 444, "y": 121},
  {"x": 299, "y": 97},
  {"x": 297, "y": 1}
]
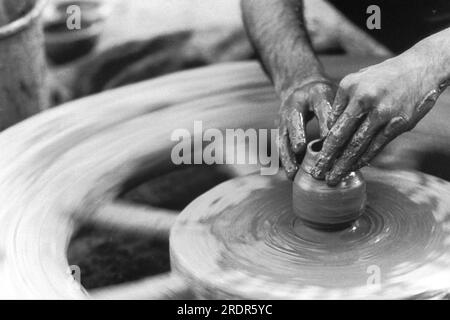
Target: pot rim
[
  {"x": 310, "y": 158},
  {"x": 23, "y": 22}
]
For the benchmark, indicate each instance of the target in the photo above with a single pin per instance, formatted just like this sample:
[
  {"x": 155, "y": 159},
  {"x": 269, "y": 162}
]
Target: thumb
[
  {"x": 296, "y": 128},
  {"x": 321, "y": 103},
  {"x": 322, "y": 110}
]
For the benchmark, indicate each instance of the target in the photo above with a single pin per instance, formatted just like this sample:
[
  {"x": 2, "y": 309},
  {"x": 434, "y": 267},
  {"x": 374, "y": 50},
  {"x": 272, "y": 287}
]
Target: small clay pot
[{"x": 321, "y": 206}]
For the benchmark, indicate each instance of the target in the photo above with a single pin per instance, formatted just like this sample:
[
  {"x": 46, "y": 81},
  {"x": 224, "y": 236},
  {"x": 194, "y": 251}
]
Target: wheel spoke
[
  {"x": 161, "y": 287},
  {"x": 136, "y": 218}
]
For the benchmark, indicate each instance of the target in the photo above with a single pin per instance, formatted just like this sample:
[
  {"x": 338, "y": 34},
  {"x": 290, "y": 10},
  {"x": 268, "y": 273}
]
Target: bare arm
[{"x": 278, "y": 32}]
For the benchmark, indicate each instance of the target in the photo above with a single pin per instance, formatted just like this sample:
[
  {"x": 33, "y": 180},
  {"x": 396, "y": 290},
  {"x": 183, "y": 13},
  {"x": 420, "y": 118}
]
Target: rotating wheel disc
[
  {"x": 242, "y": 240},
  {"x": 66, "y": 166}
]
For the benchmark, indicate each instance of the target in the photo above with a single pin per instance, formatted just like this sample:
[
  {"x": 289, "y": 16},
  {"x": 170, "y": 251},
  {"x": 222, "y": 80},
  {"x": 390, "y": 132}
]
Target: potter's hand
[
  {"x": 294, "y": 69},
  {"x": 372, "y": 107},
  {"x": 298, "y": 106}
]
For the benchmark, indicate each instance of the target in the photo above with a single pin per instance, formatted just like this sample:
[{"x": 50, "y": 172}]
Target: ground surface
[{"x": 108, "y": 257}]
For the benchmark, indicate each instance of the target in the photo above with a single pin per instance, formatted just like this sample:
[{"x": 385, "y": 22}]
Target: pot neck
[{"x": 311, "y": 155}]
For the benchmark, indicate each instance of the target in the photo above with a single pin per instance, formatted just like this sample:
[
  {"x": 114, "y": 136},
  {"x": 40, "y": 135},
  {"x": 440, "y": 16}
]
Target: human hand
[
  {"x": 371, "y": 108},
  {"x": 298, "y": 107}
]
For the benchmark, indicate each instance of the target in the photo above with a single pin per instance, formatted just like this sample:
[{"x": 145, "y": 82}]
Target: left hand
[
  {"x": 372, "y": 107},
  {"x": 314, "y": 97}
]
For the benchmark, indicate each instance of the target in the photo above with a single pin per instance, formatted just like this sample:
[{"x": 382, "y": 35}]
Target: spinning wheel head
[{"x": 242, "y": 240}]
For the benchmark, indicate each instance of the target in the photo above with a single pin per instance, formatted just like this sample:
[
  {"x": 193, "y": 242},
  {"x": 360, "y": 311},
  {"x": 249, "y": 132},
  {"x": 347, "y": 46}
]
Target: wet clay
[
  {"x": 321, "y": 206},
  {"x": 242, "y": 240},
  {"x": 59, "y": 168}
]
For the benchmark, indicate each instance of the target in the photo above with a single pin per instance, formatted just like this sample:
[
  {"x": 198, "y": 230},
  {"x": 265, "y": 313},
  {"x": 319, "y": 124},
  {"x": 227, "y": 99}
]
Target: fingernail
[
  {"x": 332, "y": 180},
  {"x": 317, "y": 170},
  {"x": 299, "y": 148},
  {"x": 290, "y": 174}
]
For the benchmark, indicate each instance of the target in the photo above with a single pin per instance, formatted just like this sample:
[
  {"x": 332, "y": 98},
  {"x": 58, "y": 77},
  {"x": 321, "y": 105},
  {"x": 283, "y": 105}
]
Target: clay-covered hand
[
  {"x": 299, "y": 105},
  {"x": 372, "y": 107}
]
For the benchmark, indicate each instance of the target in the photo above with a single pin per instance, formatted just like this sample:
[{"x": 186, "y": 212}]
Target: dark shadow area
[
  {"x": 436, "y": 164},
  {"x": 107, "y": 257},
  {"x": 177, "y": 188}
]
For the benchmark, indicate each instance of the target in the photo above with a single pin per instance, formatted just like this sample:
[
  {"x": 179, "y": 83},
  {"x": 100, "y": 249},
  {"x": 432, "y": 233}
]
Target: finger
[
  {"x": 338, "y": 107},
  {"x": 356, "y": 147},
  {"x": 338, "y": 136},
  {"x": 397, "y": 126},
  {"x": 320, "y": 104},
  {"x": 394, "y": 128},
  {"x": 296, "y": 130},
  {"x": 322, "y": 110},
  {"x": 424, "y": 107},
  {"x": 287, "y": 157}
]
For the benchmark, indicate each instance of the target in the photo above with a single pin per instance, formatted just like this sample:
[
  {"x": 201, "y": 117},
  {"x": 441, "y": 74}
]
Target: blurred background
[
  {"x": 121, "y": 42},
  {"x": 124, "y": 41},
  {"x": 90, "y": 46}
]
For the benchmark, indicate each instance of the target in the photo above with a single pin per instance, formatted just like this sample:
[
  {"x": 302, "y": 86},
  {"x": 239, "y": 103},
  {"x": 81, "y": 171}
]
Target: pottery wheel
[
  {"x": 242, "y": 240},
  {"x": 68, "y": 166}
]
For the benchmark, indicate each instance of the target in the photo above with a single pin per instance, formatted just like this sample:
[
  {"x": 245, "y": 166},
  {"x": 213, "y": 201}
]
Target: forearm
[
  {"x": 434, "y": 52},
  {"x": 278, "y": 32}
]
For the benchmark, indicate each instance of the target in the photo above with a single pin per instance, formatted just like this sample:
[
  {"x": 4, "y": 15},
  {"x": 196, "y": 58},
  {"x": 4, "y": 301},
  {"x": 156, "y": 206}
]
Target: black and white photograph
[{"x": 245, "y": 151}]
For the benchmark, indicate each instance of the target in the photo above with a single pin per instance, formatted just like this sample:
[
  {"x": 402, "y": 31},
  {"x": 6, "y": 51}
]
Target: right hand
[{"x": 298, "y": 107}]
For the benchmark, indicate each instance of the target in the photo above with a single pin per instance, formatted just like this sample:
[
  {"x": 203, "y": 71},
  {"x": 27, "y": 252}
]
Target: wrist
[
  {"x": 291, "y": 76},
  {"x": 300, "y": 84},
  {"x": 434, "y": 53}
]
